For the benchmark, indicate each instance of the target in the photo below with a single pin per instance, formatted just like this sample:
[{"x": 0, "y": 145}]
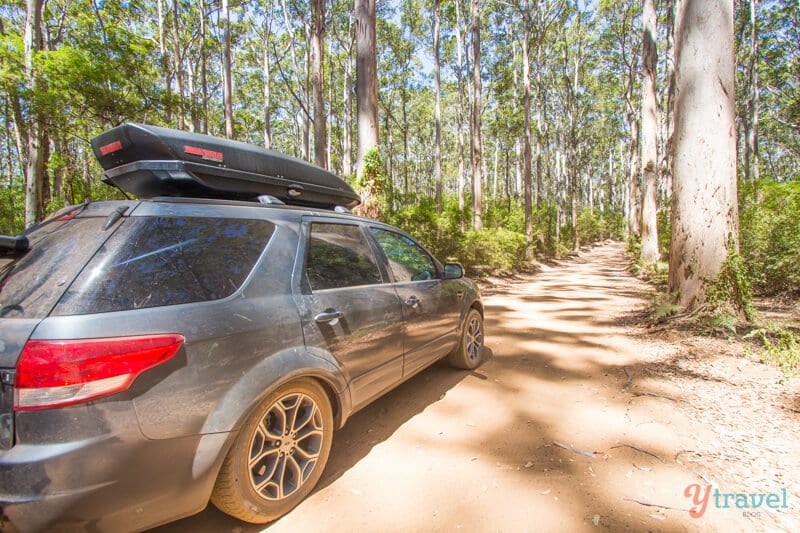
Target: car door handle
[
  {"x": 412, "y": 301},
  {"x": 328, "y": 316},
  {"x": 460, "y": 294}
]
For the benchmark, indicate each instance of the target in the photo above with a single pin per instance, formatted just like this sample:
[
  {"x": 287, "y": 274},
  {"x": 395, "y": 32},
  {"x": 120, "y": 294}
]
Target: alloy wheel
[{"x": 285, "y": 446}]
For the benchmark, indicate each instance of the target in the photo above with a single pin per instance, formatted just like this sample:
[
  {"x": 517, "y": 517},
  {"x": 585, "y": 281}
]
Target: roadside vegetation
[
  {"x": 496, "y": 132},
  {"x": 765, "y": 271}
]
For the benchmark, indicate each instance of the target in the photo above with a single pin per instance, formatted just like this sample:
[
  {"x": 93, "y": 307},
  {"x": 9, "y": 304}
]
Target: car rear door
[{"x": 347, "y": 308}]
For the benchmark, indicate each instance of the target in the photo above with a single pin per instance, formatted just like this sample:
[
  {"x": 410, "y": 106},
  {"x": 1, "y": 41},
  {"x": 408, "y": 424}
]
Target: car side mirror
[{"x": 453, "y": 271}]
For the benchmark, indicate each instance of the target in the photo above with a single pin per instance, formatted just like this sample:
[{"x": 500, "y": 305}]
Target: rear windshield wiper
[{"x": 17, "y": 244}]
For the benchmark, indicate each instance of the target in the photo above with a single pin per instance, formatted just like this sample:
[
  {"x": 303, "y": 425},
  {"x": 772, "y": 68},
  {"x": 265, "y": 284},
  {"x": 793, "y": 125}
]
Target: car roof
[{"x": 200, "y": 205}]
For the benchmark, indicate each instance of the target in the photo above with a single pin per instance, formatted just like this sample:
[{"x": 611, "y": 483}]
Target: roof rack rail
[{"x": 268, "y": 199}]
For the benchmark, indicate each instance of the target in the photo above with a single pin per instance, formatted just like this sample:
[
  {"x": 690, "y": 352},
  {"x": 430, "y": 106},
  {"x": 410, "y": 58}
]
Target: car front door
[
  {"x": 348, "y": 310},
  {"x": 431, "y": 306}
]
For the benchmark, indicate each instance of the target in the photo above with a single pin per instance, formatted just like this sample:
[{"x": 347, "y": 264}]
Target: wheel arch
[{"x": 273, "y": 372}]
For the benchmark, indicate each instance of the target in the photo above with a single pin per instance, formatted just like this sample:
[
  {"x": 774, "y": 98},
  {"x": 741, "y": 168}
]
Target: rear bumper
[{"x": 120, "y": 482}]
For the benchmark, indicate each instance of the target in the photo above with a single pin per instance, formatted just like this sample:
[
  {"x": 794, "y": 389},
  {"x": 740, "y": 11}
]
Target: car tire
[
  {"x": 278, "y": 456},
  {"x": 468, "y": 354}
]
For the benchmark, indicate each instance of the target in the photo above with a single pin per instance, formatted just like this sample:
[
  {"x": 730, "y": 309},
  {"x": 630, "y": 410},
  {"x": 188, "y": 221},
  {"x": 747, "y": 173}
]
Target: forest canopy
[{"x": 505, "y": 128}]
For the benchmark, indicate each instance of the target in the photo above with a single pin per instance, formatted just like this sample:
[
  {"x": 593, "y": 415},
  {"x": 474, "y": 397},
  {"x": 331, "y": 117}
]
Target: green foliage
[
  {"x": 594, "y": 226},
  {"x": 729, "y": 295},
  {"x": 12, "y": 203},
  {"x": 490, "y": 248},
  {"x": 494, "y": 248},
  {"x": 508, "y": 215},
  {"x": 440, "y": 233},
  {"x": 634, "y": 246},
  {"x": 371, "y": 185},
  {"x": 770, "y": 235},
  {"x": 664, "y": 306},
  {"x": 780, "y": 346},
  {"x": 373, "y": 169},
  {"x": 501, "y": 244},
  {"x": 664, "y": 232}
]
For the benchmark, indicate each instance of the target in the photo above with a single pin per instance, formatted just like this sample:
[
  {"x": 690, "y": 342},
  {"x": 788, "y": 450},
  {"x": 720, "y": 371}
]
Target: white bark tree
[
  {"x": 704, "y": 203},
  {"x": 477, "y": 150},
  {"x": 366, "y": 78},
  {"x": 227, "y": 71},
  {"x": 649, "y": 135},
  {"x": 34, "y": 164},
  {"x": 318, "y": 73}
]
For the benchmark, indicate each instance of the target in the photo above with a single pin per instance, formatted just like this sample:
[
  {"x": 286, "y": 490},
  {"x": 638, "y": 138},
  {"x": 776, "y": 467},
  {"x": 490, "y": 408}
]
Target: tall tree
[
  {"x": 318, "y": 59},
  {"x": 704, "y": 201},
  {"x": 366, "y": 78},
  {"x": 649, "y": 135},
  {"x": 751, "y": 170},
  {"x": 265, "y": 68},
  {"x": 437, "y": 112},
  {"x": 35, "y": 160},
  {"x": 526, "y": 138},
  {"x": 227, "y": 71},
  {"x": 461, "y": 113},
  {"x": 477, "y": 150}
]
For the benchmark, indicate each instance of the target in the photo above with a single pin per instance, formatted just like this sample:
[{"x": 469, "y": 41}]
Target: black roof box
[{"x": 150, "y": 161}]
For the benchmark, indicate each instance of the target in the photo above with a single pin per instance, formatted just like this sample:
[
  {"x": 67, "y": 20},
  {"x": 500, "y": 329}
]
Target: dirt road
[{"x": 564, "y": 428}]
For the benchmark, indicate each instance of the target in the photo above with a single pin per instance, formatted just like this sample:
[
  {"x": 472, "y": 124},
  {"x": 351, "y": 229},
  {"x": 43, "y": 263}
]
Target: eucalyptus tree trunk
[
  {"x": 347, "y": 127},
  {"x": 557, "y": 196},
  {"x": 669, "y": 120},
  {"x": 177, "y": 64},
  {"x": 227, "y": 84},
  {"x": 34, "y": 164},
  {"x": 609, "y": 205},
  {"x": 633, "y": 175},
  {"x": 477, "y": 154},
  {"x": 632, "y": 213},
  {"x": 203, "y": 66},
  {"x": 496, "y": 166},
  {"x": 306, "y": 91},
  {"x": 265, "y": 66},
  {"x": 437, "y": 87},
  {"x": 318, "y": 74},
  {"x": 526, "y": 139},
  {"x": 704, "y": 202},
  {"x": 751, "y": 170},
  {"x": 461, "y": 110},
  {"x": 649, "y": 136},
  {"x": 366, "y": 78},
  {"x": 539, "y": 123},
  {"x": 302, "y": 97},
  {"x": 164, "y": 61}
]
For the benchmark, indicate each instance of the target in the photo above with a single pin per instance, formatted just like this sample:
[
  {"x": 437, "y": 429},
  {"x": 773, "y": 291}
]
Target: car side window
[
  {"x": 407, "y": 259},
  {"x": 340, "y": 256}
]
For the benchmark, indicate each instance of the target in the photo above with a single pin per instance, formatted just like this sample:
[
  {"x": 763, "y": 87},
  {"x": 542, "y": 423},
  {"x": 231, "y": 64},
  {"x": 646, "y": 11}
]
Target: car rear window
[
  {"x": 339, "y": 256},
  {"x": 158, "y": 261},
  {"x": 31, "y": 285}
]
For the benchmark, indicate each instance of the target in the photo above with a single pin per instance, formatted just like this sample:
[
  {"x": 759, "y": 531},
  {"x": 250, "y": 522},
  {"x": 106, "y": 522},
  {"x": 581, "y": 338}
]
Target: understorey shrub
[{"x": 770, "y": 236}]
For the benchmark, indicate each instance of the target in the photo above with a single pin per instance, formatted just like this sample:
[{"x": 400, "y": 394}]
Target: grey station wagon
[{"x": 159, "y": 353}]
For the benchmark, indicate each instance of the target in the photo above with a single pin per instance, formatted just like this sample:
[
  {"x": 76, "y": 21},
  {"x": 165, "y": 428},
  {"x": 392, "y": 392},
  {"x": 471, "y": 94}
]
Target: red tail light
[{"x": 65, "y": 372}]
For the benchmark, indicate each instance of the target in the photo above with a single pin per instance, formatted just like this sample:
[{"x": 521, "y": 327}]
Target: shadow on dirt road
[{"x": 560, "y": 430}]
